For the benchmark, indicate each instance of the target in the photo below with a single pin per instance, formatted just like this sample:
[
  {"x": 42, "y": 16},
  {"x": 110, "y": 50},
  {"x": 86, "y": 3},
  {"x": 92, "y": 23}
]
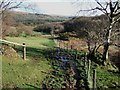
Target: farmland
[
  {"x": 31, "y": 73},
  {"x": 25, "y": 74},
  {"x": 42, "y": 51}
]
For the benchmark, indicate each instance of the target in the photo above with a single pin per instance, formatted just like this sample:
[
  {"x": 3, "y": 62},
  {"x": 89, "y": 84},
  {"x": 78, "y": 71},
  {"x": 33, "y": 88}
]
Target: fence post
[
  {"x": 94, "y": 79},
  {"x": 84, "y": 60},
  {"x": 63, "y": 44},
  {"x": 89, "y": 64},
  {"x": 67, "y": 46},
  {"x": 59, "y": 43},
  {"x": 76, "y": 54},
  {"x": 24, "y": 51},
  {"x": 71, "y": 46},
  {"x": 14, "y": 45}
]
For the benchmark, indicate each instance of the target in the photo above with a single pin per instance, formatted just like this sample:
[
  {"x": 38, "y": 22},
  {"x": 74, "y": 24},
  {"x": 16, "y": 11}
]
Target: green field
[
  {"x": 35, "y": 42},
  {"x": 31, "y": 72},
  {"x": 23, "y": 74}
]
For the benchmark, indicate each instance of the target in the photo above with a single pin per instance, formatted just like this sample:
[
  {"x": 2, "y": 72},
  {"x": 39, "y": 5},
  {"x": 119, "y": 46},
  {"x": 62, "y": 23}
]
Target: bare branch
[
  {"x": 111, "y": 7},
  {"x": 99, "y": 4},
  {"x": 115, "y": 45},
  {"x": 1, "y": 3},
  {"x": 106, "y": 6},
  {"x": 116, "y": 4},
  {"x": 6, "y": 5},
  {"x": 115, "y": 21},
  {"x": 116, "y": 14},
  {"x": 99, "y": 47},
  {"x": 17, "y": 6},
  {"x": 93, "y": 9}
]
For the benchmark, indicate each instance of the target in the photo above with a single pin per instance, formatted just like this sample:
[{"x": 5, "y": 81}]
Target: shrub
[
  {"x": 46, "y": 28},
  {"x": 64, "y": 36}
]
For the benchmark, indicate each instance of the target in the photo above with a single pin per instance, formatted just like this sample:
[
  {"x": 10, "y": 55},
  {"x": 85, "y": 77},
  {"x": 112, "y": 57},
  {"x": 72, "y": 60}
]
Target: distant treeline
[
  {"x": 81, "y": 25},
  {"x": 33, "y": 19},
  {"x": 36, "y": 22}
]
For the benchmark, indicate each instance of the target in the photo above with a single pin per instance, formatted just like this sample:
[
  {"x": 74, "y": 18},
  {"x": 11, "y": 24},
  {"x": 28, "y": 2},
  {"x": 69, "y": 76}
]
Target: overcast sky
[
  {"x": 59, "y": 7},
  {"x": 56, "y": 8}
]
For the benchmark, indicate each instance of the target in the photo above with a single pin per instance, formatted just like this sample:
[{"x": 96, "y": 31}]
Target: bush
[
  {"x": 46, "y": 28},
  {"x": 64, "y": 36},
  {"x": 58, "y": 28}
]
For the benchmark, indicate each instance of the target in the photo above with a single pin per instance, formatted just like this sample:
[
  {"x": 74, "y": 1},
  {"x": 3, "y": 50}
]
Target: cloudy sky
[{"x": 59, "y": 7}]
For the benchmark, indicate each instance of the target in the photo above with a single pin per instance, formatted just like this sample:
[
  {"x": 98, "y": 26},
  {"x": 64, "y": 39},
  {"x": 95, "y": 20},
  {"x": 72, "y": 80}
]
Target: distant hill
[
  {"x": 77, "y": 24},
  {"x": 81, "y": 27},
  {"x": 33, "y": 19}
]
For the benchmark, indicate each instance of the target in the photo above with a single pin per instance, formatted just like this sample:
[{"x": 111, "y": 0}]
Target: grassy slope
[
  {"x": 107, "y": 79},
  {"x": 29, "y": 73},
  {"x": 18, "y": 73},
  {"x": 23, "y": 74},
  {"x": 36, "y": 42}
]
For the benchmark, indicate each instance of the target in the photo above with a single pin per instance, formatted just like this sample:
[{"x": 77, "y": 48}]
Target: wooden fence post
[
  {"x": 88, "y": 72},
  {"x": 67, "y": 46},
  {"x": 58, "y": 43},
  {"x": 94, "y": 79},
  {"x": 24, "y": 51},
  {"x": 84, "y": 60},
  {"x": 76, "y": 54},
  {"x": 63, "y": 44},
  {"x": 14, "y": 45},
  {"x": 71, "y": 46}
]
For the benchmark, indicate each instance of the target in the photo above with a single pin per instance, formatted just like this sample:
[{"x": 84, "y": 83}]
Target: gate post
[{"x": 24, "y": 51}]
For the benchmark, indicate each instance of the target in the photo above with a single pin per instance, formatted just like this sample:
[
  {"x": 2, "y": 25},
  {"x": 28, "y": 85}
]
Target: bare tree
[
  {"x": 5, "y": 7},
  {"x": 111, "y": 9}
]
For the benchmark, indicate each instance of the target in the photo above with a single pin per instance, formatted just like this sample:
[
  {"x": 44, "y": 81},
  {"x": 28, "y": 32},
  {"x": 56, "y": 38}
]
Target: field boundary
[{"x": 22, "y": 45}]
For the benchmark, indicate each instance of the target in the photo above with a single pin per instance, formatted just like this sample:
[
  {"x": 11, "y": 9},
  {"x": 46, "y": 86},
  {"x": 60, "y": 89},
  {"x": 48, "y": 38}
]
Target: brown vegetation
[{"x": 9, "y": 52}]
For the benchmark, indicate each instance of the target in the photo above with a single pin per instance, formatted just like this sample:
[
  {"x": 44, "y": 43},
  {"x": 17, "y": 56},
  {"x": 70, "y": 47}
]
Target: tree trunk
[
  {"x": 106, "y": 44},
  {"x": 105, "y": 52}
]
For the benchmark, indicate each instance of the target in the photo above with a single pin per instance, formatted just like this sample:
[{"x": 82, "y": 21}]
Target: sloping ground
[
  {"x": 107, "y": 80},
  {"x": 19, "y": 73},
  {"x": 75, "y": 43},
  {"x": 23, "y": 74},
  {"x": 8, "y": 51},
  {"x": 81, "y": 45},
  {"x": 115, "y": 58},
  {"x": 106, "y": 77},
  {"x": 30, "y": 73}
]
